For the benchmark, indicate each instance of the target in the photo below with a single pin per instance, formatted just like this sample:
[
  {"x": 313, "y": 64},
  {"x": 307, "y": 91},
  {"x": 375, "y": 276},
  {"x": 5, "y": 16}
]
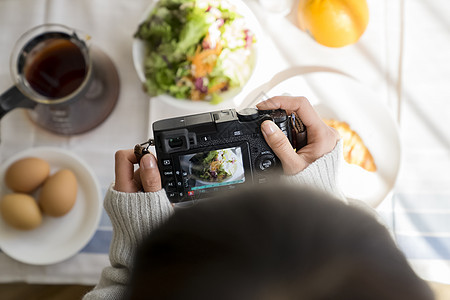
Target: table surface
[{"x": 403, "y": 58}]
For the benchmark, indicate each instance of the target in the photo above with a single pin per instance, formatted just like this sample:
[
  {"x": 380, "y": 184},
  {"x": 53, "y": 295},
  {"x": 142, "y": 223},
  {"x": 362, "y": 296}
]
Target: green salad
[{"x": 195, "y": 49}]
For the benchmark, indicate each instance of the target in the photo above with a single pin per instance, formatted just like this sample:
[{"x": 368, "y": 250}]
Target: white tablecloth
[{"x": 403, "y": 57}]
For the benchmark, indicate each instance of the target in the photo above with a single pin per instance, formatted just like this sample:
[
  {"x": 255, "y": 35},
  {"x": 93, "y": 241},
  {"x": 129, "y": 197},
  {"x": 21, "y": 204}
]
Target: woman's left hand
[{"x": 146, "y": 178}]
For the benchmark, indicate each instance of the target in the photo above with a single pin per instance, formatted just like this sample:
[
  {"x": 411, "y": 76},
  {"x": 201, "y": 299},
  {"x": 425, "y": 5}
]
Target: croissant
[{"x": 355, "y": 152}]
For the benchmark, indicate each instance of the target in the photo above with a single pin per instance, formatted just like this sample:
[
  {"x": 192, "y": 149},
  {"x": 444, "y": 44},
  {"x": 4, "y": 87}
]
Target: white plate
[
  {"x": 138, "y": 50},
  {"x": 56, "y": 239},
  {"x": 338, "y": 96}
]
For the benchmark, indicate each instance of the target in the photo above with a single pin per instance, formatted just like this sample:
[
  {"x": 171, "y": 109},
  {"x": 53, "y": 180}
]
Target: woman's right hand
[{"x": 321, "y": 139}]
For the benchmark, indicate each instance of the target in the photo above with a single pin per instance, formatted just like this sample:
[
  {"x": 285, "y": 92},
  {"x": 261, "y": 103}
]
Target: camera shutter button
[{"x": 248, "y": 114}]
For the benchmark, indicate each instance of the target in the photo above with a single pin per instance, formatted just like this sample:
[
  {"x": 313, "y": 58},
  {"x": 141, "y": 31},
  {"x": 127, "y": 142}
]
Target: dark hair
[{"x": 273, "y": 243}]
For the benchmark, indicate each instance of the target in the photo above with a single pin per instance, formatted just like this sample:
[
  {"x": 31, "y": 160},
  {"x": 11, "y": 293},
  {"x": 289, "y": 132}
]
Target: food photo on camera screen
[
  {"x": 202, "y": 154},
  {"x": 213, "y": 168}
]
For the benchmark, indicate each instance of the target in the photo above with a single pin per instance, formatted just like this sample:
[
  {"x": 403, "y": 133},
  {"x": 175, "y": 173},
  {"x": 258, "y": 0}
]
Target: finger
[
  {"x": 300, "y": 105},
  {"x": 137, "y": 177},
  {"x": 149, "y": 174},
  {"x": 279, "y": 143},
  {"x": 124, "y": 171}
]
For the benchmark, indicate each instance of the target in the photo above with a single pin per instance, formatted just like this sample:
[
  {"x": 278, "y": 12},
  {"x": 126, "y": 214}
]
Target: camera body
[{"x": 202, "y": 154}]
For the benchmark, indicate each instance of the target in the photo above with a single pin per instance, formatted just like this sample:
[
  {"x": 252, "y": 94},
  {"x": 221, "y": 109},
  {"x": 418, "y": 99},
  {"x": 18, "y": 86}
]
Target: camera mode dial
[{"x": 248, "y": 114}]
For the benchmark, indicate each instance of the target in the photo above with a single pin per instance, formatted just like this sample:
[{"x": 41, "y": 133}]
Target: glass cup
[
  {"x": 68, "y": 85},
  {"x": 278, "y": 7}
]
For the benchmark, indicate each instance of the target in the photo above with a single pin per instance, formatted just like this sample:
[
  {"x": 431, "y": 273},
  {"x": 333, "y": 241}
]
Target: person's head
[{"x": 273, "y": 243}]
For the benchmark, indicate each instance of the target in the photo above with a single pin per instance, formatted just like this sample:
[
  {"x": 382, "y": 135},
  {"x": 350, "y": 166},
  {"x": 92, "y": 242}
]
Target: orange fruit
[{"x": 333, "y": 23}]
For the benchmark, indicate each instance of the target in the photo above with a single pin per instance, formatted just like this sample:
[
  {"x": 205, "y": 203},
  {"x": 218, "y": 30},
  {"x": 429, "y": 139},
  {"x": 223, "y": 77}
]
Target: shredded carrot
[
  {"x": 204, "y": 61},
  {"x": 215, "y": 165},
  {"x": 217, "y": 87}
]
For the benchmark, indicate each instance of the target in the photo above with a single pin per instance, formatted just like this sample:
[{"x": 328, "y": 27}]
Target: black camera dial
[
  {"x": 278, "y": 116},
  {"x": 265, "y": 162},
  {"x": 248, "y": 114}
]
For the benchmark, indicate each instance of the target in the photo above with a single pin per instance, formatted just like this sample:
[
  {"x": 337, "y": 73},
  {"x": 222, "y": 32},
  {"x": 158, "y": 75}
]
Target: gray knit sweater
[{"x": 135, "y": 215}]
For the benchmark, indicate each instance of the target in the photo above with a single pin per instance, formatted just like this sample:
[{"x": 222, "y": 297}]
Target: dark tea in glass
[
  {"x": 70, "y": 85},
  {"x": 57, "y": 69}
]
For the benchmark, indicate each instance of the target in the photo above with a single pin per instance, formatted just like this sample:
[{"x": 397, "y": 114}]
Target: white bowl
[{"x": 138, "y": 51}]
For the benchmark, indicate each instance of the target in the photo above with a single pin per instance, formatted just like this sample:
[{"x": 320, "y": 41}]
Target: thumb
[
  {"x": 149, "y": 174},
  {"x": 279, "y": 143}
]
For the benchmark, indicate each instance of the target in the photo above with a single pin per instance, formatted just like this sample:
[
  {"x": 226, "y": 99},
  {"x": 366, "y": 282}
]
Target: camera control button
[
  {"x": 168, "y": 173},
  {"x": 171, "y": 184},
  {"x": 171, "y": 195},
  {"x": 248, "y": 114},
  {"x": 265, "y": 162},
  {"x": 205, "y": 138},
  {"x": 279, "y": 116},
  {"x": 166, "y": 162}
]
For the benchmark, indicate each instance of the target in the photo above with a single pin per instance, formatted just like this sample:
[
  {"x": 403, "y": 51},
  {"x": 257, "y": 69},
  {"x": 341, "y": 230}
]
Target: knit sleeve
[
  {"x": 323, "y": 174},
  {"x": 133, "y": 216}
]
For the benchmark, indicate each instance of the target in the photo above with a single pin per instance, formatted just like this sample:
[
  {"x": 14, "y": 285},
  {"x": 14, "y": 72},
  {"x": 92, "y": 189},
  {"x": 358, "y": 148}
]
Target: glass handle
[{"x": 13, "y": 98}]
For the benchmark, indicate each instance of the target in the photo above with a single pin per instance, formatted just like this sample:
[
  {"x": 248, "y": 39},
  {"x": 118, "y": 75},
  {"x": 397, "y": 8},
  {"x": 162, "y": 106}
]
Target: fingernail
[
  {"x": 268, "y": 127},
  {"x": 148, "y": 161}
]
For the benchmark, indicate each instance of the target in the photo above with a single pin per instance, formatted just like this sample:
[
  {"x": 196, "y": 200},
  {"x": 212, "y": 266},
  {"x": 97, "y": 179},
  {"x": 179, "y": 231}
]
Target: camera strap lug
[{"x": 142, "y": 149}]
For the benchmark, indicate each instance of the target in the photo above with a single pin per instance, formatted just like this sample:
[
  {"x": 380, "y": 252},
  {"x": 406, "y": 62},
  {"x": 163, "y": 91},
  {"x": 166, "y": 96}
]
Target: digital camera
[{"x": 202, "y": 154}]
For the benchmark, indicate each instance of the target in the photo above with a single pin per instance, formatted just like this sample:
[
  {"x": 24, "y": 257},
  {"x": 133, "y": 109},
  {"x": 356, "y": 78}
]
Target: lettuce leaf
[{"x": 195, "y": 29}]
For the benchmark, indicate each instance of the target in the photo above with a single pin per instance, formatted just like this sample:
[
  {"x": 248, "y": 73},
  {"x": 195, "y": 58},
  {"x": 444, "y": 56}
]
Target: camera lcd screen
[{"x": 213, "y": 169}]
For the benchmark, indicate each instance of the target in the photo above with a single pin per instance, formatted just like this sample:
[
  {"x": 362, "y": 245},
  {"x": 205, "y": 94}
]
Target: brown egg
[
  {"x": 20, "y": 211},
  {"x": 59, "y": 193},
  {"x": 27, "y": 174}
]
